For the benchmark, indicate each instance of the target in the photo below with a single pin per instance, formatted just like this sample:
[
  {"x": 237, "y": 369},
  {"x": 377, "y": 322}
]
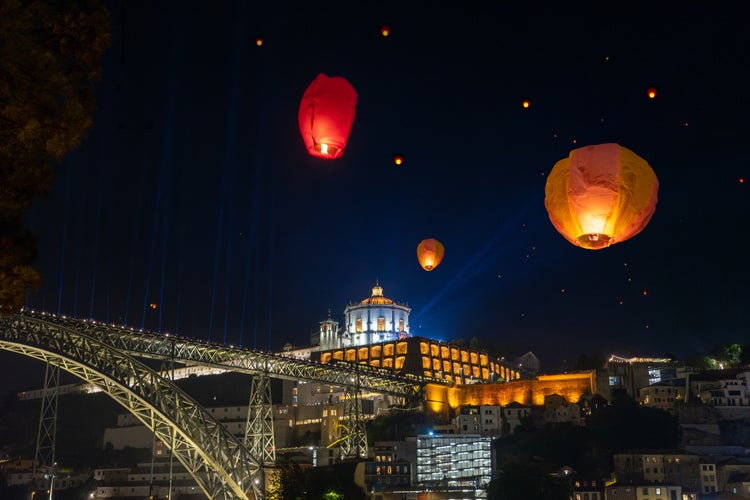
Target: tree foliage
[
  {"x": 292, "y": 482},
  {"x": 50, "y": 57},
  {"x": 528, "y": 480}
]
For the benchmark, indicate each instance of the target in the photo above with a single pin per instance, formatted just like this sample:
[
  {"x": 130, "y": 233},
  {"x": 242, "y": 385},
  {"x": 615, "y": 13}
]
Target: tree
[
  {"x": 594, "y": 362},
  {"x": 50, "y": 57},
  {"x": 528, "y": 480},
  {"x": 730, "y": 354}
]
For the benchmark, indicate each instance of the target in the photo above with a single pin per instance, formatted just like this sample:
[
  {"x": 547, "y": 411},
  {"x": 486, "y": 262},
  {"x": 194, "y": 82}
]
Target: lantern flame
[{"x": 324, "y": 148}]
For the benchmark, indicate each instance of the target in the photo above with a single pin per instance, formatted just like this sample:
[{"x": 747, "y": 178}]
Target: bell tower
[{"x": 329, "y": 328}]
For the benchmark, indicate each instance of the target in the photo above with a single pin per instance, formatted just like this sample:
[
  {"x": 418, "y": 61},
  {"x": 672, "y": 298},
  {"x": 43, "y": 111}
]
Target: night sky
[{"x": 193, "y": 190}]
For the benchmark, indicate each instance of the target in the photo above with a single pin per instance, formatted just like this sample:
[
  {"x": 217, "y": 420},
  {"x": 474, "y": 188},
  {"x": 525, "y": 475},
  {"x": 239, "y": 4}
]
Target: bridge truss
[
  {"x": 104, "y": 355},
  {"x": 217, "y": 460}
]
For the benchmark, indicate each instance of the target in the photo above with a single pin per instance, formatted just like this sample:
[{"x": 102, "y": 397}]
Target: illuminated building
[
  {"x": 628, "y": 375},
  {"x": 428, "y": 358},
  {"x": 374, "y": 319},
  {"x": 463, "y": 460}
]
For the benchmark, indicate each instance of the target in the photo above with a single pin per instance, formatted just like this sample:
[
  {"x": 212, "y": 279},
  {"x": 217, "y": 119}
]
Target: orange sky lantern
[
  {"x": 259, "y": 41},
  {"x": 601, "y": 195},
  {"x": 429, "y": 253},
  {"x": 651, "y": 92},
  {"x": 525, "y": 103},
  {"x": 385, "y": 30},
  {"x": 398, "y": 159},
  {"x": 326, "y": 114}
]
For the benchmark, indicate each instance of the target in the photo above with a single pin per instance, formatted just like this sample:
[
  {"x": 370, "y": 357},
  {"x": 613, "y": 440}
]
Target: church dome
[
  {"x": 375, "y": 319},
  {"x": 377, "y": 297}
]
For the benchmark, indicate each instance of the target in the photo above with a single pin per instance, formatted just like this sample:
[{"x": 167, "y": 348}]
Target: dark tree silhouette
[{"x": 50, "y": 57}]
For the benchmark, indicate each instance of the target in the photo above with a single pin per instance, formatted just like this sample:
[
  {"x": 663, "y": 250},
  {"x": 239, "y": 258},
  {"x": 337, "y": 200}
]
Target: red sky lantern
[
  {"x": 601, "y": 195},
  {"x": 651, "y": 92},
  {"x": 385, "y": 30},
  {"x": 326, "y": 114},
  {"x": 525, "y": 103},
  {"x": 430, "y": 253},
  {"x": 398, "y": 159}
]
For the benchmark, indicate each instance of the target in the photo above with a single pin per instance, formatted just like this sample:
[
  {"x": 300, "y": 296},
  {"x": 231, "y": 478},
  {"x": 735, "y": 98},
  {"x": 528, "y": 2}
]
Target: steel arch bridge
[{"x": 104, "y": 355}]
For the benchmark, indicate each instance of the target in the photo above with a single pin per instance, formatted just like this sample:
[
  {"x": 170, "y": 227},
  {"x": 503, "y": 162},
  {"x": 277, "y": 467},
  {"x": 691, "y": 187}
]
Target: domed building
[{"x": 371, "y": 320}]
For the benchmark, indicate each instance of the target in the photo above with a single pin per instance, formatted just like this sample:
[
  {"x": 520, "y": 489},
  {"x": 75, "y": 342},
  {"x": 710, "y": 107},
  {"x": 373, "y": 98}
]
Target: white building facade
[{"x": 372, "y": 320}]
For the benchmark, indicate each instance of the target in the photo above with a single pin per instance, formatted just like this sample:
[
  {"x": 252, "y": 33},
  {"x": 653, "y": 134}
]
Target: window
[
  {"x": 658, "y": 491},
  {"x": 401, "y": 325},
  {"x": 359, "y": 325},
  {"x": 645, "y": 492},
  {"x": 381, "y": 324}
]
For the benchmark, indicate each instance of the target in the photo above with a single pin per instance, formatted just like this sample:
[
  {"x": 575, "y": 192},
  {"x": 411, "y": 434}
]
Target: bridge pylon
[
  {"x": 44, "y": 456},
  {"x": 352, "y": 433},
  {"x": 259, "y": 438}
]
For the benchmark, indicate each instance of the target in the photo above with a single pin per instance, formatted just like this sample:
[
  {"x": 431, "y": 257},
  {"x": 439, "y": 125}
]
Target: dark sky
[{"x": 194, "y": 191}]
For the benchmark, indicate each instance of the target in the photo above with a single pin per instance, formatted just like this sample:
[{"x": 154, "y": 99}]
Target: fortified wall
[{"x": 444, "y": 401}]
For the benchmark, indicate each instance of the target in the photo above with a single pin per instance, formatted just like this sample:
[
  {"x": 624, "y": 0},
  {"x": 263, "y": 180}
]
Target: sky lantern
[
  {"x": 601, "y": 195},
  {"x": 398, "y": 159},
  {"x": 429, "y": 253},
  {"x": 651, "y": 92},
  {"x": 385, "y": 30},
  {"x": 259, "y": 41},
  {"x": 326, "y": 114},
  {"x": 525, "y": 103}
]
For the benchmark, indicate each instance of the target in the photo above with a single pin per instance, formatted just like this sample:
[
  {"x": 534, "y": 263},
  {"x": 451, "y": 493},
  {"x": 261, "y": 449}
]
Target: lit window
[
  {"x": 359, "y": 325},
  {"x": 381, "y": 324},
  {"x": 401, "y": 325}
]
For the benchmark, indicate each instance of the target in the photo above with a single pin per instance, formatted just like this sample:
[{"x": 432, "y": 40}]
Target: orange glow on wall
[
  {"x": 424, "y": 348},
  {"x": 441, "y": 399},
  {"x": 601, "y": 195},
  {"x": 326, "y": 115},
  {"x": 430, "y": 253}
]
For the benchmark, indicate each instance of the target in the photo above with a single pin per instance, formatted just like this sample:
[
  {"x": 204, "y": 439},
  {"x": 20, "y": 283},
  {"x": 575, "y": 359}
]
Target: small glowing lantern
[
  {"x": 429, "y": 253},
  {"x": 385, "y": 30},
  {"x": 153, "y": 305},
  {"x": 525, "y": 103},
  {"x": 326, "y": 114},
  {"x": 601, "y": 195},
  {"x": 259, "y": 41},
  {"x": 651, "y": 92},
  {"x": 398, "y": 159}
]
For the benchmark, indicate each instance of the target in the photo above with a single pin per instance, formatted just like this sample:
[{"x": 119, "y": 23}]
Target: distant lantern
[
  {"x": 651, "y": 92},
  {"x": 385, "y": 30},
  {"x": 429, "y": 253},
  {"x": 601, "y": 195},
  {"x": 153, "y": 305},
  {"x": 326, "y": 114},
  {"x": 525, "y": 103},
  {"x": 259, "y": 41},
  {"x": 398, "y": 159}
]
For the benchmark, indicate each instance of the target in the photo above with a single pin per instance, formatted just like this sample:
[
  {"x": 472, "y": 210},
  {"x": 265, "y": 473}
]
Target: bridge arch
[{"x": 217, "y": 460}]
